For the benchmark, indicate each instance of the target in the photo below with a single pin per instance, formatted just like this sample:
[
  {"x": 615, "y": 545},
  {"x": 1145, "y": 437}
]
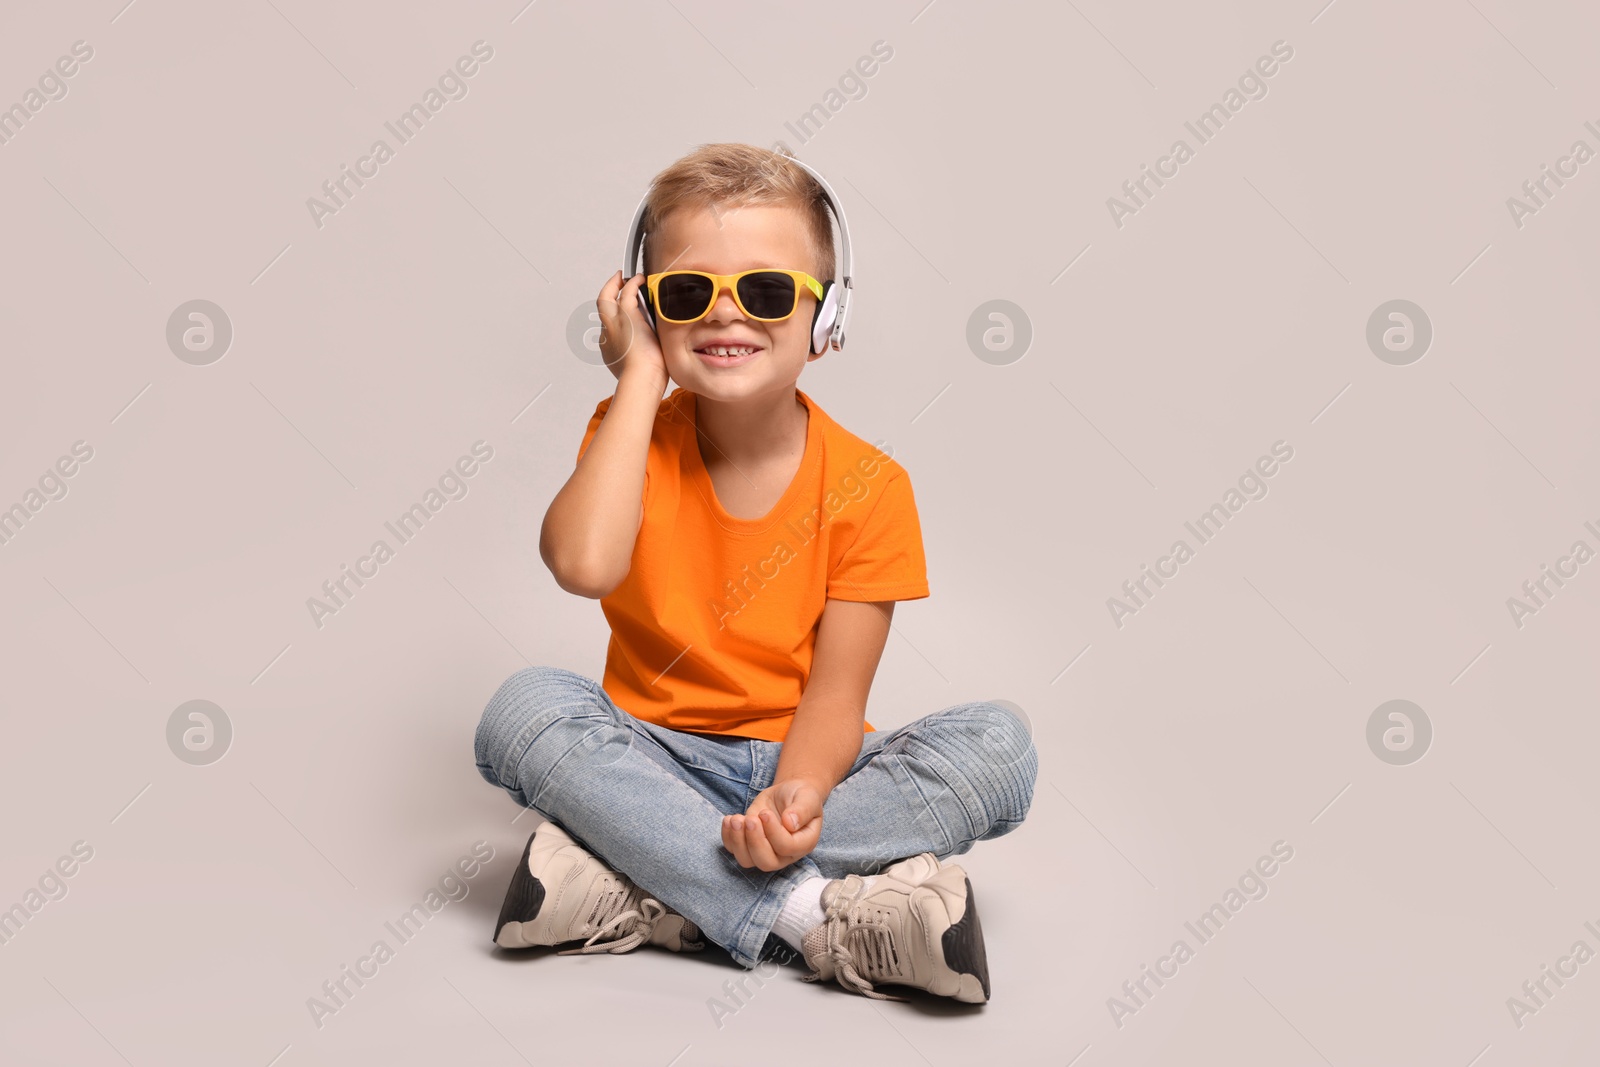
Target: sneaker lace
[
  {"x": 626, "y": 919},
  {"x": 863, "y": 951}
]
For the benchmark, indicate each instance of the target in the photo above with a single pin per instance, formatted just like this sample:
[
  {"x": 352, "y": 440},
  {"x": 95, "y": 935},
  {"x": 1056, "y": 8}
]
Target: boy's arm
[
  {"x": 589, "y": 531},
  {"x": 784, "y": 821},
  {"x": 825, "y": 737}
]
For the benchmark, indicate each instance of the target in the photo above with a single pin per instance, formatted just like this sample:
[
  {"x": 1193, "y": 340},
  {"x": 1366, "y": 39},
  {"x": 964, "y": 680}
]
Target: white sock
[{"x": 802, "y": 912}]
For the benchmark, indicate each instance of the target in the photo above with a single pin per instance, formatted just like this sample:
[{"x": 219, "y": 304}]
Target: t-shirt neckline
[{"x": 708, "y": 492}]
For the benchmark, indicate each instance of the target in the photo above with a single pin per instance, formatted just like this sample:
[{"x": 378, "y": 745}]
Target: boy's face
[{"x": 728, "y": 241}]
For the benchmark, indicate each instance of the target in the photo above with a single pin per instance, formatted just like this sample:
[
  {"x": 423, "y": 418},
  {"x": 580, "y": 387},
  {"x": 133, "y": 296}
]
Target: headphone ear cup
[
  {"x": 646, "y": 307},
  {"x": 823, "y": 318}
]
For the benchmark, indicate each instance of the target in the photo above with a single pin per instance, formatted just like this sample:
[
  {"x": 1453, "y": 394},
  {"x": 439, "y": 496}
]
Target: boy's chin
[
  {"x": 734, "y": 383},
  {"x": 724, "y": 389},
  {"x": 726, "y": 386}
]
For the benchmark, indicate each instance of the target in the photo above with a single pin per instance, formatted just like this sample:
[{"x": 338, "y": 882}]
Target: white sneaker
[
  {"x": 561, "y": 892},
  {"x": 917, "y": 926}
]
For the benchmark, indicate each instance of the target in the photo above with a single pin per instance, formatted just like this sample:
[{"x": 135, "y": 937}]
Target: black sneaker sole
[
  {"x": 525, "y": 896},
  {"x": 963, "y": 945}
]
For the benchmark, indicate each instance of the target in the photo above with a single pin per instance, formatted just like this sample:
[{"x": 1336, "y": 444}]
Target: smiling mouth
[{"x": 728, "y": 351}]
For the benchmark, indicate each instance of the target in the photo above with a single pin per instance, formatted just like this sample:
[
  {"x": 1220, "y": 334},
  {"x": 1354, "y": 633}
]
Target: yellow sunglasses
[{"x": 765, "y": 294}]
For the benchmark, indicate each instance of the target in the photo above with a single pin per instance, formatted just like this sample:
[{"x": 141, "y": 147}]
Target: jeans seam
[
  {"x": 954, "y": 782},
  {"x": 555, "y": 766},
  {"x": 758, "y": 772},
  {"x": 529, "y": 731}
]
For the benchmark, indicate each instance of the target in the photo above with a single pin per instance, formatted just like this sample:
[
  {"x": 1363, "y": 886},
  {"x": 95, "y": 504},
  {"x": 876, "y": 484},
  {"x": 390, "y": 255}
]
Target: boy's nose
[{"x": 725, "y": 309}]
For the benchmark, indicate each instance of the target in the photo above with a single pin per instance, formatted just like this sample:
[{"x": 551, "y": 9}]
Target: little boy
[{"x": 747, "y": 552}]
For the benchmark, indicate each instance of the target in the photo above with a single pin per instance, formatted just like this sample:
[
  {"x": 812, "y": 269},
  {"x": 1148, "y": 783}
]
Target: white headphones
[{"x": 827, "y": 325}]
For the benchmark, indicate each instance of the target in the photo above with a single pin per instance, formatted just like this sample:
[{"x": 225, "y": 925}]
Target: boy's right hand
[
  {"x": 627, "y": 343},
  {"x": 781, "y": 825}
]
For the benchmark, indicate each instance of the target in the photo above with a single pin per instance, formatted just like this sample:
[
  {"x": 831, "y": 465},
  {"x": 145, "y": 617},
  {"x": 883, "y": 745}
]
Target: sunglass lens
[
  {"x": 767, "y": 294},
  {"x": 684, "y": 296}
]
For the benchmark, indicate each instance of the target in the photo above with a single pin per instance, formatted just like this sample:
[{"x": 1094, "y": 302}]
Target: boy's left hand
[{"x": 781, "y": 825}]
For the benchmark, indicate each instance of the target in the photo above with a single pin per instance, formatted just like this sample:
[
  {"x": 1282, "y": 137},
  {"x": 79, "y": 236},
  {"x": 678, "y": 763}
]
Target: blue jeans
[{"x": 649, "y": 800}]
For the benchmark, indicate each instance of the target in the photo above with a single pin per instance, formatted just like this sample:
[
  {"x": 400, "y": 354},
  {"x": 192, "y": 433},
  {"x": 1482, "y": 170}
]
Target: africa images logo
[
  {"x": 452, "y": 85},
  {"x": 452, "y": 486},
  {"x": 1252, "y": 486},
  {"x": 850, "y": 489}
]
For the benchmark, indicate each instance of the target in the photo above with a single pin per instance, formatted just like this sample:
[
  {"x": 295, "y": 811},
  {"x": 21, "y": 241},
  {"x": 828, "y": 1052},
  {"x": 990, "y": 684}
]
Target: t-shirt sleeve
[
  {"x": 885, "y": 561},
  {"x": 593, "y": 428}
]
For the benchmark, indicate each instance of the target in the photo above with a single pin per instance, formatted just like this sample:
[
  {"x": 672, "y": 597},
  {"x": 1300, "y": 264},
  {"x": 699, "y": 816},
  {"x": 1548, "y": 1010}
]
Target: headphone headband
[{"x": 841, "y": 289}]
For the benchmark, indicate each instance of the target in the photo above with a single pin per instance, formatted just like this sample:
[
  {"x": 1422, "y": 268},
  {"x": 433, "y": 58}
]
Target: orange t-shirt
[{"x": 714, "y": 628}]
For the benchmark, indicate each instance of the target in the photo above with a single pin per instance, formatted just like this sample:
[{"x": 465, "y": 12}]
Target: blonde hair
[{"x": 716, "y": 176}]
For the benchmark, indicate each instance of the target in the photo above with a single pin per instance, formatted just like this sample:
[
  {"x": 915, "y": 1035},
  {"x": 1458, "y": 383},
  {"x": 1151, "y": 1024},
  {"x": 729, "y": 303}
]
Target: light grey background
[{"x": 1168, "y": 354}]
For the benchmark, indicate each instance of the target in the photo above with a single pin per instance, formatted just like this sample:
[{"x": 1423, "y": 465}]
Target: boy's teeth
[{"x": 727, "y": 350}]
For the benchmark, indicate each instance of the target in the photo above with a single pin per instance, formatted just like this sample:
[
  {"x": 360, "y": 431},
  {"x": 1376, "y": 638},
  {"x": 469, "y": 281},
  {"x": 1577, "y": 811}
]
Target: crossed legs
[{"x": 649, "y": 801}]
